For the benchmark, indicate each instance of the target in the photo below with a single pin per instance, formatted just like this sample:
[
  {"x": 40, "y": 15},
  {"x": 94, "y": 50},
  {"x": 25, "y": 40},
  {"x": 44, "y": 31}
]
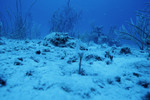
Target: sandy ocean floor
[{"x": 31, "y": 71}]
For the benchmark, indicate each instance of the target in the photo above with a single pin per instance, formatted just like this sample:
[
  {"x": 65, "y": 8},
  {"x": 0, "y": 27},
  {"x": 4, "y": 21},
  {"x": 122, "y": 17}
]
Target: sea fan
[{"x": 139, "y": 31}]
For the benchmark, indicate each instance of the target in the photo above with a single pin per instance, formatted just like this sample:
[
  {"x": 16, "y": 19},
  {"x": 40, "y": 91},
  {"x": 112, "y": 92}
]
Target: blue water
[
  {"x": 46, "y": 67},
  {"x": 98, "y": 12}
]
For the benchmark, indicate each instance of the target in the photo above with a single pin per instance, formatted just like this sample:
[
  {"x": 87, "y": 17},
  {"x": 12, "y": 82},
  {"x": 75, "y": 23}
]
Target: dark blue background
[{"x": 98, "y": 12}]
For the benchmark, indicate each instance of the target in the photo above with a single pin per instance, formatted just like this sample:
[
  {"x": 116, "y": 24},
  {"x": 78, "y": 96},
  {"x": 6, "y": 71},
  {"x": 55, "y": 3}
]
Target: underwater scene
[{"x": 74, "y": 49}]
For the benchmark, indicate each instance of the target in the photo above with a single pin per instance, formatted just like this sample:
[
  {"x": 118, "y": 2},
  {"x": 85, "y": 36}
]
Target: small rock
[
  {"x": 127, "y": 88},
  {"x": 39, "y": 42},
  {"x": 26, "y": 41},
  {"x": 86, "y": 96},
  {"x": 16, "y": 48},
  {"x": 125, "y": 50},
  {"x": 1, "y": 52},
  {"x": 98, "y": 58},
  {"x": 2, "y": 82},
  {"x": 108, "y": 55},
  {"x": 29, "y": 73},
  {"x": 66, "y": 89},
  {"x": 62, "y": 57},
  {"x": 91, "y": 63},
  {"x": 46, "y": 50},
  {"x": 118, "y": 79},
  {"x": 93, "y": 89},
  {"x": 109, "y": 81},
  {"x": 43, "y": 53},
  {"x": 136, "y": 74},
  {"x": 21, "y": 59},
  {"x": 143, "y": 84},
  {"x": 38, "y": 52},
  {"x": 91, "y": 56},
  {"x": 147, "y": 96},
  {"x": 2, "y": 43},
  {"x": 35, "y": 59},
  {"x": 17, "y": 63},
  {"x": 83, "y": 48},
  {"x": 72, "y": 60},
  {"x": 108, "y": 62}
]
